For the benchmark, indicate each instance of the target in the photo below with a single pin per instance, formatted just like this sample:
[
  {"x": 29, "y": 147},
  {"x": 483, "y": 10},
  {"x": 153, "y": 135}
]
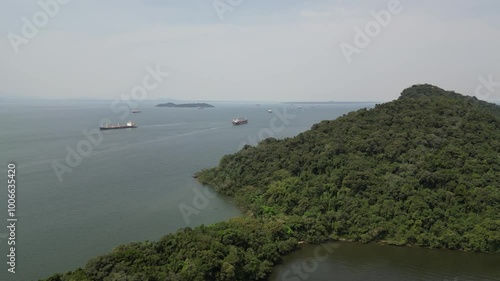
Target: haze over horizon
[{"x": 255, "y": 50}]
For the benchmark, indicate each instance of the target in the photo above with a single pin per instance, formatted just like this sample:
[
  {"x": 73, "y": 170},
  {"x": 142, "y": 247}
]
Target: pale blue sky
[{"x": 279, "y": 50}]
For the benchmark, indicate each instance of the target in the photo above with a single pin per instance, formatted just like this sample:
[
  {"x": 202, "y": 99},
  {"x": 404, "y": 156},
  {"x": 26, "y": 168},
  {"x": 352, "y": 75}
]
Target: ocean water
[
  {"x": 347, "y": 261},
  {"x": 130, "y": 186}
]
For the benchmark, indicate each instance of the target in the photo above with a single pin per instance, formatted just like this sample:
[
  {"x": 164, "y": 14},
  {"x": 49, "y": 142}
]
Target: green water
[{"x": 348, "y": 261}]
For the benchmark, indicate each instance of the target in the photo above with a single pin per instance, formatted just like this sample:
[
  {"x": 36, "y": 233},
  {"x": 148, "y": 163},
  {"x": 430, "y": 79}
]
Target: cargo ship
[
  {"x": 107, "y": 126},
  {"x": 240, "y": 121},
  {"x": 136, "y": 111}
]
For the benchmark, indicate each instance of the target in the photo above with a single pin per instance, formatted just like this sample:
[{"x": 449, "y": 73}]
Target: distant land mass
[
  {"x": 171, "y": 104},
  {"x": 421, "y": 170},
  {"x": 327, "y": 102}
]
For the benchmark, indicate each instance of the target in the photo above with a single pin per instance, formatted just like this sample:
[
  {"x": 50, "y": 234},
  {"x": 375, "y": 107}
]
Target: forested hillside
[
  {"x": 421, "y": 170},
  {"x": 424, "y": 170}
]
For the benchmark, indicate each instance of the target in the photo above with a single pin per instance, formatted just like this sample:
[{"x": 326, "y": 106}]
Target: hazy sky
[{"x": 267, "y": 50}]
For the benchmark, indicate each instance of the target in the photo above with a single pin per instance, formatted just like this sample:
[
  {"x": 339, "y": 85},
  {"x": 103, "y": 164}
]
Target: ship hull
[
  {"x": 116, "y": 128},
  {"x": 240, "y": 122}
]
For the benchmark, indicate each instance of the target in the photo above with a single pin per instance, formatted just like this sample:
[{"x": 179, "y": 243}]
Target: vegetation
[
  {"x": 421, "y": 170},
  {"x": 239, "y": 249}
]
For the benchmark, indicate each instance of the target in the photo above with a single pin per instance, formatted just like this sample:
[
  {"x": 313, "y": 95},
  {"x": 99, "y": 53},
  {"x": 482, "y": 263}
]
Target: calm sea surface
[
  {"x": 131, "y": 185},
  {"x": 345, "y": 261}
]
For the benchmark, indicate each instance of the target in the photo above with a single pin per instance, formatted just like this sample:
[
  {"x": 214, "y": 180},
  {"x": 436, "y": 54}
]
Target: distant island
[{"x": 171, "y": 104}]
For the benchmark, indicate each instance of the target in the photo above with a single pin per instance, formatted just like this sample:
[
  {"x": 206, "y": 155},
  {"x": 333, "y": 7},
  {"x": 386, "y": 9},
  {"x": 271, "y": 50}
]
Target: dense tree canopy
[
  {"x": 421, "y": 170},
  {"x": 424, "y": 170},
  {"x": 239, "y": 249}
]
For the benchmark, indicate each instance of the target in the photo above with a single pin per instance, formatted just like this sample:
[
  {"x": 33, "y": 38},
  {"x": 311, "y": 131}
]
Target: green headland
[{"x": 422, "y": 170}]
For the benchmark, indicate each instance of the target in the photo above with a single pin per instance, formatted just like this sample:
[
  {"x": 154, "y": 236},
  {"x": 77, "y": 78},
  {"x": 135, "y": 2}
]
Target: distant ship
[
  {"x": 107, "y": 126},
  {"x": 136, "y": 111},
  {"x": 270, "y": 111},
  {"x": 239, "y": 121}
]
